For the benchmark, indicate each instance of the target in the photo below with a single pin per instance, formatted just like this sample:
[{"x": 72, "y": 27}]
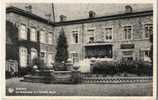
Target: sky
[{"x": 80, "y": 10}]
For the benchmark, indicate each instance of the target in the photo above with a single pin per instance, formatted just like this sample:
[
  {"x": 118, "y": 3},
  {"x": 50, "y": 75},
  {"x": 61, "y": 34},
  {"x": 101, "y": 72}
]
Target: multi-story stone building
[
  {"x": 34, "y": 36},
  {"x": 119, "y": 36}
]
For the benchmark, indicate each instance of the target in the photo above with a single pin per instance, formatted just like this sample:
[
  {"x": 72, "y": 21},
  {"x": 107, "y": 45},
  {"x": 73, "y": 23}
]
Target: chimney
[
  {"x": 62, "y": 18},
  {"x": 128, "y": 9},
  {"x": 91, "y": 14},
  {"x": 28, "y": 8}
]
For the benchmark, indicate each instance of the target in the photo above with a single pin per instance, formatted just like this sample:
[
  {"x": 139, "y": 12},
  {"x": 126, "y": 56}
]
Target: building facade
[
  {"x": 121, "y": 36},
  {"x": 34, "y": 36}
]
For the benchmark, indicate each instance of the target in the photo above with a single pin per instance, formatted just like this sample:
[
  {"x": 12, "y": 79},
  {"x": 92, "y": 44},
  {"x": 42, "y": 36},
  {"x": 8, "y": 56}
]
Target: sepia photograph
[{"x": 79, "y": 49}]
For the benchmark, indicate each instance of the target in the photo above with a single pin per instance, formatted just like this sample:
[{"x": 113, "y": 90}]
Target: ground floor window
[
  {"x": 43, "y": 56},
  {"x": 127, "y": 58},
  {"x": 145, "y": 55},
  {"x": 23, "y": 53},
  {"x": 75, "y": 57},
  {"x": 33, "y": 53},
  {"x": 50, "y": 59},
  {"x": 127, "y": 55}
]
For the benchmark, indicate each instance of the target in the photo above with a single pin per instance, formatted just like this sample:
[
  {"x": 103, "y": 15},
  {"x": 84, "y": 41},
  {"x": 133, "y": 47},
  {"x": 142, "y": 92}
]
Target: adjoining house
[
  {"x": 33, "y": 37},
  {"x": 119, "y": 36}
]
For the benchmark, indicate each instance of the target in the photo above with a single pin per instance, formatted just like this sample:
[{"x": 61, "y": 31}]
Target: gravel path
[{"x": 15, "y": 87}]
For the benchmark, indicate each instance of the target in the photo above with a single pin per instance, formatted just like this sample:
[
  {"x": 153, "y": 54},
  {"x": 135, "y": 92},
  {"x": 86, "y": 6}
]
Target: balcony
[{"x": 99, "y": 43}]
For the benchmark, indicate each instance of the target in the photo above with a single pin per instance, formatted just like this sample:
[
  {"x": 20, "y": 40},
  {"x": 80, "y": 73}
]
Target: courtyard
[{"x": 16, "y": 87}]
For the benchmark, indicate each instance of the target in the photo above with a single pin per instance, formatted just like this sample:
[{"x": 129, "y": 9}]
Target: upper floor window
[
  {"x": 33, "y": 34},
  {"x": 148, "y": 30},
  {"x": 90, "y": 36},
  {"x": 42, "y": 37},
  {"x": 50, "y": 38},
  {"x": 108, "y": 34},
  {"x": 127, "y": 32},
  {"x": 23, "y": 32},
  {"x": 75, "y": 37}
]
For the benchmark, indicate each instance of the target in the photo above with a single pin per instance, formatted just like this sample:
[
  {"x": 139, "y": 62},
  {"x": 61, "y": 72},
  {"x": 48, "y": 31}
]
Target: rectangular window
[
  {"x": 43, "y": 56},
  {"x": 127, "y": 52},
  {"x": 127, "y": 32},
  {"x": 50, "y": 38},
  {"x": 75, "y": 37},
  {"x": 23, "y": 56},
  {"x": 146, "y": 55},
  {"x": 75, "y": 57},
  {"x": 42, "y": 37},
  {"x": 148, "y": 28},
  {"x": 108, "y": 34},
  {"x": 90, "y": 36},
  {"x": 50, "y": 59},
  {"x": 127, "y": 55},
  {"x": 127, "y": 58},
  {"x": 33, "y": 34},
  {"x": 23, "y": 32}
]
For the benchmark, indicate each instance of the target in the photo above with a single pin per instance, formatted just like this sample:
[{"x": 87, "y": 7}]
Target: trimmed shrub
[{"x": 123, "y": 67}]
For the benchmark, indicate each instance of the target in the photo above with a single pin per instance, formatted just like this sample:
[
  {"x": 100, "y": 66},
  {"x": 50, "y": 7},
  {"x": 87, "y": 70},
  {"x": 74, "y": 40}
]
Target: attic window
[
  {"x": 62, "y": 18},
  {"x": 91, "y": 14},
  {"x": 128, "y": 9},
  {"x": 28, "y": 8}
]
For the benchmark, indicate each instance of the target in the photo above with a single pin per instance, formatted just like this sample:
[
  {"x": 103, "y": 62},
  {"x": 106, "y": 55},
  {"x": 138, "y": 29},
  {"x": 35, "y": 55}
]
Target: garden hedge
[{"x": 131, "y": 67}]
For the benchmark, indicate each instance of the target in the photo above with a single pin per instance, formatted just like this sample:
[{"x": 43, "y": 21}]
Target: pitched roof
[
  {"x": 27, "y": 14},
  {"x": 79, "y": 21}
]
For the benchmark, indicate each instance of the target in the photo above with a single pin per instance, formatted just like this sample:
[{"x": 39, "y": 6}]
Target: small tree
[{"x": 62, "y": 52}]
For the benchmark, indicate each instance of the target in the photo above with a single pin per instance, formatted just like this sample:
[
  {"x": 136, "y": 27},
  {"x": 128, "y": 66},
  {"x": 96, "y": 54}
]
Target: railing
[{"x": 99, "y": 79}]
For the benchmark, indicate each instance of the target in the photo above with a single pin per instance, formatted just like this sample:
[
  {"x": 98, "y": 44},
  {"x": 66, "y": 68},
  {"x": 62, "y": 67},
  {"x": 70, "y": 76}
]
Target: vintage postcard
[{"x": 79, "y": 50}]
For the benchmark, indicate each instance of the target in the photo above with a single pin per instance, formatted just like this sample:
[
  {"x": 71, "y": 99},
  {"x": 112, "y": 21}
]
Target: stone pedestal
[
  {"x": 43, "y": 76},
  {"x": 51, "y": 76},
  {"x": 76, "y": 77}
]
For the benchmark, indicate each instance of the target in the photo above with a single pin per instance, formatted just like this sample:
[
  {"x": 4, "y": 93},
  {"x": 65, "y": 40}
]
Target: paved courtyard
[{"x": 16, "y": 87}]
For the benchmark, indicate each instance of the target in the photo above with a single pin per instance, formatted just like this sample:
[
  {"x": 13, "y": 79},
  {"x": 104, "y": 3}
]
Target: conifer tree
[{"x": 62, "y": 52}]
